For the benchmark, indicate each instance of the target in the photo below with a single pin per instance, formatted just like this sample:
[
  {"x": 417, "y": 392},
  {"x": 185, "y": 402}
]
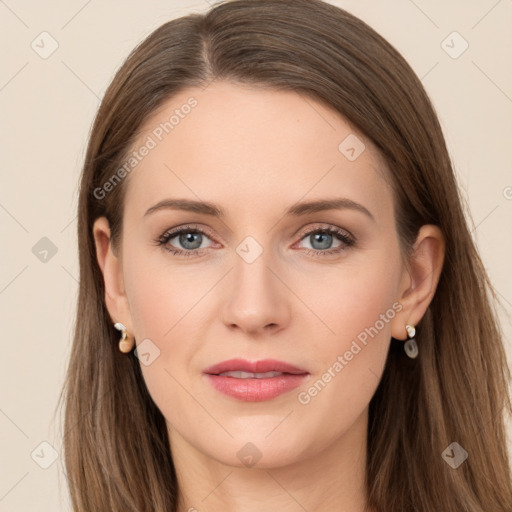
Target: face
[{"x": 266, "y": 279}]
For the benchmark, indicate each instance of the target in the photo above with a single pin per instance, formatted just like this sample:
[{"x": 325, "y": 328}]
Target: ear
[
  {"x": 111, "y": 267},
  {"x": 419, "y": 282}
]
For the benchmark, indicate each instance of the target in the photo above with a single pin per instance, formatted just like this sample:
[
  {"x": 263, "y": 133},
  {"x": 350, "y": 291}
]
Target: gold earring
[
  {"x": 125, "y": 344},
  {"x": 410, "y": 346}
]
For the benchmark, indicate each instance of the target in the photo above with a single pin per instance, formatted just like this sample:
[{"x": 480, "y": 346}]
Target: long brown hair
[{"x": 115, "y": 441}]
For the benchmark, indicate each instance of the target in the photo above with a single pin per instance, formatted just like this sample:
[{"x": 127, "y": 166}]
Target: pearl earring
[
  {"x": 410, "y": 346},
  {"x": 125, "y": 344}
]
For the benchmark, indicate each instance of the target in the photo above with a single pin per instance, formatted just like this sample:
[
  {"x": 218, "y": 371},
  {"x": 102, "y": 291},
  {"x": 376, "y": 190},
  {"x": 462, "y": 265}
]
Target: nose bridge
[
  {"x": 251, "y": 273},
  {"x": 256, "y": 300}
]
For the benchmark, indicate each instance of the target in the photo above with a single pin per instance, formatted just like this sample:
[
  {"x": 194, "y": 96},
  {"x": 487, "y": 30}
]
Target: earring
[
  {"x": 125, "y": 344},
  {"x": 410, "y": 346}
]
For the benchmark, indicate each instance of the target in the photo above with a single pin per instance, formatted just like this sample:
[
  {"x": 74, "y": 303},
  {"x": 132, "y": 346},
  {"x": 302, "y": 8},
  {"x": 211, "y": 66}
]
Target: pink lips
[{"x": 255, "y": 389}]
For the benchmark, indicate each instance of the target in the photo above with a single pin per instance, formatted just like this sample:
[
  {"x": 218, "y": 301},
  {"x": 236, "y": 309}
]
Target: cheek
[
  {"x": 159, "y": 302},
  {"x": 354, "y": 300},
  {"x": 152, "y": 303},
  {"x": 160, "y": 296},
  {"x": 167, "y": 307},
  {"x": 351, "y": 355}
]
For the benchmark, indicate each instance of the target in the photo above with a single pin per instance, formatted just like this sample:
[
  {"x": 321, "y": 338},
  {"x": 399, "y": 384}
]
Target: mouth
[
  {"x": 255, "y": 381},
  {"x": 249, "y": 375},
  {"x": 256, "y": 368}
]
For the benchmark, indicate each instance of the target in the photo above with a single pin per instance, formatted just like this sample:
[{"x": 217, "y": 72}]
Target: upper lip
[{"x": 262, "y": 366}]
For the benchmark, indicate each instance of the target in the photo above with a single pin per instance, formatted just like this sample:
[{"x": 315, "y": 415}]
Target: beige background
[{"x": 47, "y": 108}]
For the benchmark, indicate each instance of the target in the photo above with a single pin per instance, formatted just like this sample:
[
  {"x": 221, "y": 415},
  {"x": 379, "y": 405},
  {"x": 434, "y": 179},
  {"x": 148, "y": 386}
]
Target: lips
[
  {"x": 256, "y": 367},
  {"x": 255, "y": 381}
]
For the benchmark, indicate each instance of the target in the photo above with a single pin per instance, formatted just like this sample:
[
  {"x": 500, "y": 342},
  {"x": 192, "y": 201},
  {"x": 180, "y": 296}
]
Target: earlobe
[
  {"x": 420, "y": 283},
  {"x": 110, "y": 265}
]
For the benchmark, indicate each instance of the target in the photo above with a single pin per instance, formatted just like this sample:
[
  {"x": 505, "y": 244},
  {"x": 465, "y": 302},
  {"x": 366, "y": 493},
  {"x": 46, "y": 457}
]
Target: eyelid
[
  {"x": 190, "y": 227},
  {"x": 322, "y": 226}
]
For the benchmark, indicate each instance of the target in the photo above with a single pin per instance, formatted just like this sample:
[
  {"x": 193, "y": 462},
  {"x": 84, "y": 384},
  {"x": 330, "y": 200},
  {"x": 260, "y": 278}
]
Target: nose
[{"x": 258, "y": 302}]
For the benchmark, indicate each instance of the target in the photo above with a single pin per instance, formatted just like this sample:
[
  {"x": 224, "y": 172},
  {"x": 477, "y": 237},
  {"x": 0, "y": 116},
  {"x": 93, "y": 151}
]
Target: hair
[{"x": 116, "y": 446}]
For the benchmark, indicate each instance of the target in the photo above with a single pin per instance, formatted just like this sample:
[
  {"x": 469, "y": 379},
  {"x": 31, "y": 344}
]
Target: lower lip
[{"x": 256, "y": 390}]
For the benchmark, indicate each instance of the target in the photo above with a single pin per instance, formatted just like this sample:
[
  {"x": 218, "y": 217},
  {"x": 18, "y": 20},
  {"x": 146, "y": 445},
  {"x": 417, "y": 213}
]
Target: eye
[
  {"x": 321, "y": 241},
  {"x": 190, "y": 240}
]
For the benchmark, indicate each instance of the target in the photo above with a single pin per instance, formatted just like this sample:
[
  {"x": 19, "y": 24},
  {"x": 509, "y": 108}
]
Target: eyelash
[{"x": 163, "y": 240}]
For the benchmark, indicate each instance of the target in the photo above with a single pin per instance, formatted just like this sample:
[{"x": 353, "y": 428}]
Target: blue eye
[
  {"x": 323, "y": 239},
  {"x": 191, "y": 239}
]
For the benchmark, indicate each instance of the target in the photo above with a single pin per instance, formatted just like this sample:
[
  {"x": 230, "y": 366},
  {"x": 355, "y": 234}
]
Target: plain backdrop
[{"x": 48, "y": 102}]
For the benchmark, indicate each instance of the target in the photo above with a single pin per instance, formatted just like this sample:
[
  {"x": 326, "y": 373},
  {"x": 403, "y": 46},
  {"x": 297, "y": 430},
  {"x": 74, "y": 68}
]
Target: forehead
[{"x": 252, "y": 150}]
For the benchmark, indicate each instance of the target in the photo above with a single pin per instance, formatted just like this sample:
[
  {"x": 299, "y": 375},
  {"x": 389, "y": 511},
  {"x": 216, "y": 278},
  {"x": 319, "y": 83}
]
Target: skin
[{"x": 254, "y": 153}]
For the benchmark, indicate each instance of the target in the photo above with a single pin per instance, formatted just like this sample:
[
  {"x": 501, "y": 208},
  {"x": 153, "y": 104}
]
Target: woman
[{"x": 281, "y": 305}]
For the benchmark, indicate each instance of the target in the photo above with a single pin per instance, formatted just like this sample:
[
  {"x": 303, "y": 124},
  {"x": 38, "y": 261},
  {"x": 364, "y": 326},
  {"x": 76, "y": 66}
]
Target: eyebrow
[{"x": 296, "y": 210}]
